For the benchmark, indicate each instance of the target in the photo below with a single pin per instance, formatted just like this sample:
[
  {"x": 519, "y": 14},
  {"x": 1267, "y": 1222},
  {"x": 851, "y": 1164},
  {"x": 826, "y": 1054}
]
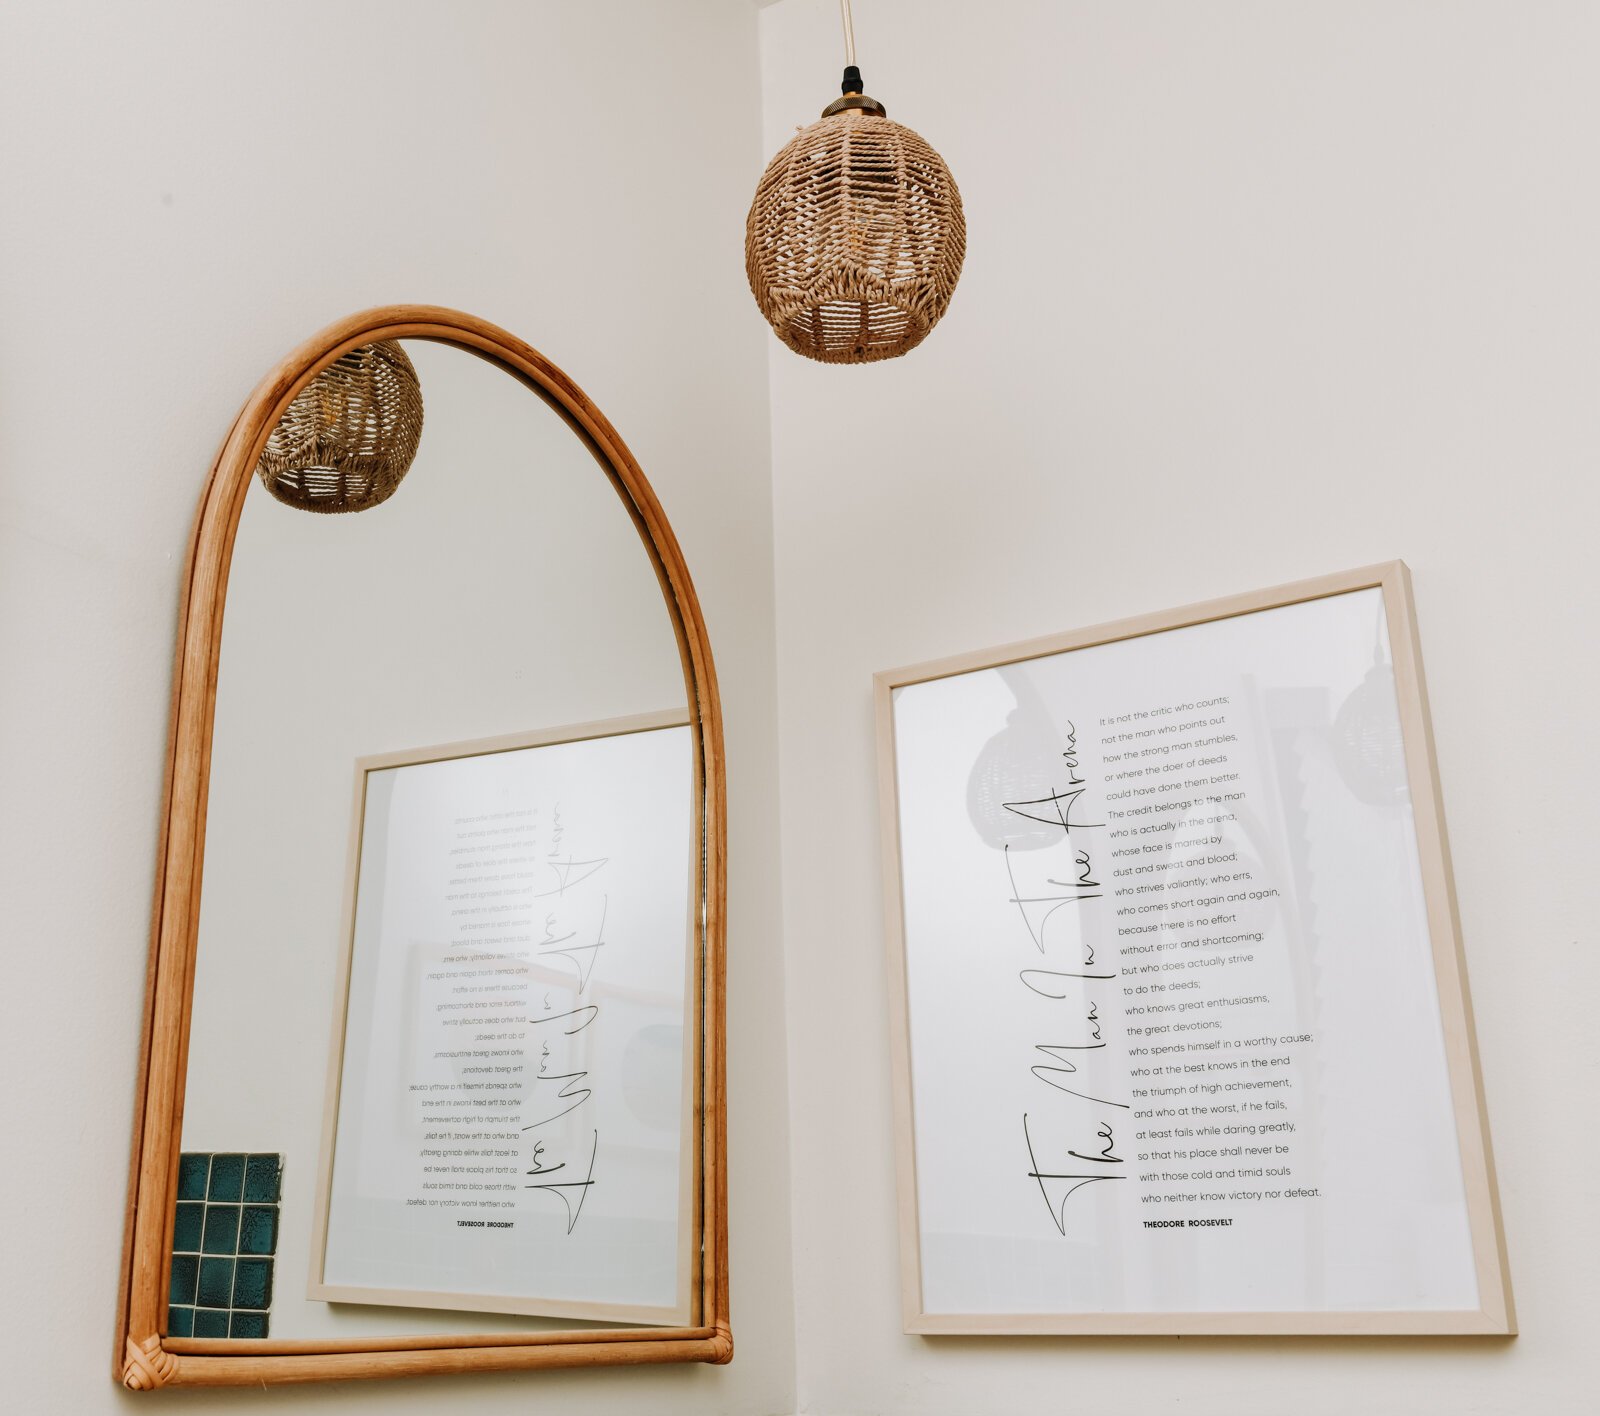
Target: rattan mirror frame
[{"x": 146, "y": 1358}]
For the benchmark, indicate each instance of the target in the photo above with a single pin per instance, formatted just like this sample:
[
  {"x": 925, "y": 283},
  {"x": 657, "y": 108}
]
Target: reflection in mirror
[{"x": 499, "y": 935}]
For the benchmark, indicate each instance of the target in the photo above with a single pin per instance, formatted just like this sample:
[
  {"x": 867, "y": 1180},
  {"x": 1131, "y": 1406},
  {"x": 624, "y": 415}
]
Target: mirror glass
[{"x": 441, "y": 1062}]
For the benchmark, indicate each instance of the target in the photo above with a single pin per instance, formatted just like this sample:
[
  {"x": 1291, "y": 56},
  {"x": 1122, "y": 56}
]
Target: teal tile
[
  {"x": 248, "y": 1325},
  {"x": 180, "y": 1322},
  {"x": 227, "y": 1178},
  {"x": 187, "y": 1226},
  {"x": 222, "y": 1229},
  {"x": 193, "y": 1172},
  {"x": 210, "y": 1322},
  {"x": 262, "y": 1177},
  {"x": 258, "y": 1230},
  {"x": 252, "y": 1284},
  {"x": 185, "y": 1278},
  {"x": 216, "y": 1283}
]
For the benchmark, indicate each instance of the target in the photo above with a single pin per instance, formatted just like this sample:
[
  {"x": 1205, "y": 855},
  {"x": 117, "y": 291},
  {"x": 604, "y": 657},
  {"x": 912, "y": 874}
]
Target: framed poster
[
  {"x": 1181, "y": 1033},
  {"x": 510, "y": 1124}
]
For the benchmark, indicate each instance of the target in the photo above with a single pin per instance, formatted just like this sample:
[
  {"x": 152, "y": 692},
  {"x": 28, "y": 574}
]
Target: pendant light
[
  {"x": 855, "y": 239},
  {"x": 350, "y": 434}
]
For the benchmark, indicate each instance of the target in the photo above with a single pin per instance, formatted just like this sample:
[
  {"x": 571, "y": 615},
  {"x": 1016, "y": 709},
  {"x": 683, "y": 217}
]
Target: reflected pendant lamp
[
  {"x": 1367, "y": 744},
  {"x": 350, "y": 434},
  {"x": 1368, "y": 747},
  {"x": 855, "y": 239}
]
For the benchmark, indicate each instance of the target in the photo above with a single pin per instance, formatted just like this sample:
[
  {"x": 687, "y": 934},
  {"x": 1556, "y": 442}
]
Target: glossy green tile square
[
  {"x": 210, "y": 1322},
  {"x": 180, "y": 1322},
  {"x": 262, "y": 1177},
  {"x": 193, "y": 1172},
  {"x": 248, "y": 1325},
  {"x": 187, "y": 1227},
  {"x": 216, "y": 1283},
  {"x": 227, "y": 1178},
  {"x": 222, "y": 1229},
  {"x": 185, "y": 1278},
  {"x": 258, "y": 1230},
  {"x": 252, "y": 1284}
]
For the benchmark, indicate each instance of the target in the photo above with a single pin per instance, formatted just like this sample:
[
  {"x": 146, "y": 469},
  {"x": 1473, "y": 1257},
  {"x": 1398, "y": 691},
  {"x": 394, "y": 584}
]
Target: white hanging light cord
[{"x": 849, "y": 33}]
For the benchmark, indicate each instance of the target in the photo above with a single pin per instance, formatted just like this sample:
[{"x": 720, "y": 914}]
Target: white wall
[
  {"x": 189, "y": 189},
  {"x": 1254, "y": 292}
]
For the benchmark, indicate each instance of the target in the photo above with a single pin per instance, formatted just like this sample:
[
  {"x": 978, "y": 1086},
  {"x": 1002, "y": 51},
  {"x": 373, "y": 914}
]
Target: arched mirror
[{"x": 433, "y": 1068}]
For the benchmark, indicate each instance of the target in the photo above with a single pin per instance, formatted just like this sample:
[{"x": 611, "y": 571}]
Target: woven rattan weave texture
[
  {"x": 349, "y": 436},
  {"x": 855, "y": 239}
]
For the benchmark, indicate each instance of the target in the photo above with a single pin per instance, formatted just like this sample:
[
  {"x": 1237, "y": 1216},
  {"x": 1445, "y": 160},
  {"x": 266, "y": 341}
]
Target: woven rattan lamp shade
[
  {"x": 349, "y": 436},
  {"x": 855, "y": 239}
]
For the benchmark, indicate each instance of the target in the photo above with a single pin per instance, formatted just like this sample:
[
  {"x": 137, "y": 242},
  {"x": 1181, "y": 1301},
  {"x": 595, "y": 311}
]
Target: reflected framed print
[{"x": 510, "y": 1118}]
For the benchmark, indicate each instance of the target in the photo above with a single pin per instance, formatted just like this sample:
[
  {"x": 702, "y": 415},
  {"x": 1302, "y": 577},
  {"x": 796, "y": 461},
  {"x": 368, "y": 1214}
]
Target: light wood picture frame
[
  {"x": 146, "y": 1356},
  {"x": 532, "y": 1300},
  {"x": 939, "y": 814}
]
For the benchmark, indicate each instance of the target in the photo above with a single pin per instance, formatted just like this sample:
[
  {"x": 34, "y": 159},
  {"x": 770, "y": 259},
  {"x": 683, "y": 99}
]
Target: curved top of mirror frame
[{"x": 146, "y": 1357}]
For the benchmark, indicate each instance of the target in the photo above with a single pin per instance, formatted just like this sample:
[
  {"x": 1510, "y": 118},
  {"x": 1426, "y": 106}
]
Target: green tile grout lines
[{"x": 224, "y": 1237}]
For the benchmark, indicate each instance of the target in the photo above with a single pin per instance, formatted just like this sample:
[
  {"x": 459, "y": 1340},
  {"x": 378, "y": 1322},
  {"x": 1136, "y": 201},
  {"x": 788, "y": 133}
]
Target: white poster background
[
  {"x": 518, "y": 992},
  {"x": 1323, "y": 816}
]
